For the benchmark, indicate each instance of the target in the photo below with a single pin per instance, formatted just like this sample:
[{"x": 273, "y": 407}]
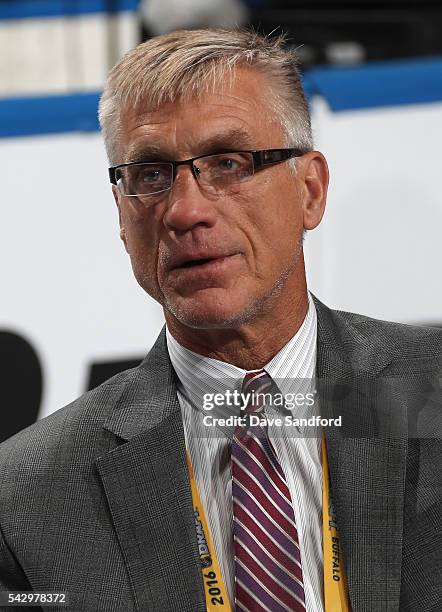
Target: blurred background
[{"x": 71, "y": 313}]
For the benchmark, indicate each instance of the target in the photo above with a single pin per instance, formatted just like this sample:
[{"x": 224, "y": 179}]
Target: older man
[{"x": 131, "y": 498}]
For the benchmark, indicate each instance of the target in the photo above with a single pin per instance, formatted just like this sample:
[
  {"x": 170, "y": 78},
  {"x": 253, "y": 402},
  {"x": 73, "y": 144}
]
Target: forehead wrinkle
[
  {"x": 230, "y": 139},
  {"x": 235, "y": 139},
  {"x": 145, "y": 128}
]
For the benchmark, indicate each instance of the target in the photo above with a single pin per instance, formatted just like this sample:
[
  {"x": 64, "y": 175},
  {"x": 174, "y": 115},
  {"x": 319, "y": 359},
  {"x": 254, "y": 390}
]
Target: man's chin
[{"x": 207, "y": 316}]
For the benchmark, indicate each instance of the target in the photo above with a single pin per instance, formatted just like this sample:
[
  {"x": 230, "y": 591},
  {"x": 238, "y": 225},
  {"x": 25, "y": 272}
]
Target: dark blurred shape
[
  {"x": 354, "y": 31},
  {"x": 103, "y": 370},
  {"x": 21, "y": 387}
]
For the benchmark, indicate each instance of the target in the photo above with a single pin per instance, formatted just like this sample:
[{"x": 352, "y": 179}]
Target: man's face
[{"x": 248, "y": 241}]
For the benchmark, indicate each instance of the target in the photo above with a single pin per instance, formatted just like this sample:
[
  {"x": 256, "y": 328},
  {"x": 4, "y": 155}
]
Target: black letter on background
[{"x": 21, "y": 384}]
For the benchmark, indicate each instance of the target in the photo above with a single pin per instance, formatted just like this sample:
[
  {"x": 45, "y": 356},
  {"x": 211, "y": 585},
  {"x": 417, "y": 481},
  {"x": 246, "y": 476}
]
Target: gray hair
[{"x": 188, "y": 63}]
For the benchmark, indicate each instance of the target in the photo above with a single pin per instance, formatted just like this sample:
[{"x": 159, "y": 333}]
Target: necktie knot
[{"x": 254, "y": 388}]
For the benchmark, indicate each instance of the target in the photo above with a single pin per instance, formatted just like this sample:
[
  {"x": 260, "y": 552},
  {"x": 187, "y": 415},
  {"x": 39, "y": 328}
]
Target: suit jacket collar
[
  {"x": 148, "y": 474},
  {"x": 148, "y": 398},
  {"x": 343, "y": 350}
]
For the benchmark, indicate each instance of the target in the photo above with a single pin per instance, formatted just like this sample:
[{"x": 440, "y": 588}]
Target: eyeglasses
[{"x": 216, "y": 173}]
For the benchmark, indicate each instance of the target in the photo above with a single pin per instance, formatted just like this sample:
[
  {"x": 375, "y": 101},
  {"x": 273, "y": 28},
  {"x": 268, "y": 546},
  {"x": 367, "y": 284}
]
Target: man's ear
[
  {"x": 314, "y": 176},
  {"x": 117, "y": 197}
]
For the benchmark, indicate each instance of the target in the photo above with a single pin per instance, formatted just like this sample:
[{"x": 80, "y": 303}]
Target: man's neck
[{"x": 250, "y": 346}]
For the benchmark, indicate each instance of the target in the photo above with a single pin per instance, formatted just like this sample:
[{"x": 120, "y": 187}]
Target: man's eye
[
  {"x": 227, "y": 163},
  {"x": 151, "y": 177}
]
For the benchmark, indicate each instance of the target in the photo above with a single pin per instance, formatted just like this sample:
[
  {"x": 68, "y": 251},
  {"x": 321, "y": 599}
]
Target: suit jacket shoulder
[
  {"x": 360, "y": 340},
  {"x": 76, "y": 422}
]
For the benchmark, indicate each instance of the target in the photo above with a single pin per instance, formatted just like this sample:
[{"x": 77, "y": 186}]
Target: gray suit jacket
[{"x": 95, "y": 499}]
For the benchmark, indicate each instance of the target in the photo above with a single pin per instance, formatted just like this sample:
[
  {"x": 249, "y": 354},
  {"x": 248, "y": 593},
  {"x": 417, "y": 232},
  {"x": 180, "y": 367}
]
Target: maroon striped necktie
[{"x": 268, "y": 574}]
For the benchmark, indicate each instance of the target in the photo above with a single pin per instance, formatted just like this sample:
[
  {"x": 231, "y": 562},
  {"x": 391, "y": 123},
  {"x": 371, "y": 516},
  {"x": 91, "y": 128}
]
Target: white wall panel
[
  {"x": 378, "y": 250},
  {"x": 32, "y": 57},
  {"x": 62, "y": 54}
]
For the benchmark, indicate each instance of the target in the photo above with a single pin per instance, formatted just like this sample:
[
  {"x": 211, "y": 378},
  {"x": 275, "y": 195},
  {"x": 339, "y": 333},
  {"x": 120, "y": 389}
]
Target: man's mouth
[
  {"x": 195, "y": 260},
  {"x": 192, "y": 263}
]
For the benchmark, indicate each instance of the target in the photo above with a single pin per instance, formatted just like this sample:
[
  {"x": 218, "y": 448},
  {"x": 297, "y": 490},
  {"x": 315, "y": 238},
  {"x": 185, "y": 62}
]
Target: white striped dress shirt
[{"x": 299, "y": 451}]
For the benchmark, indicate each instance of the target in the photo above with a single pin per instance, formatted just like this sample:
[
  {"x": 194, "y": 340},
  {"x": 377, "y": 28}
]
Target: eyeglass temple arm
[
  {"x": 273, "y": 156},
  {"x": 112, "y": 177}
]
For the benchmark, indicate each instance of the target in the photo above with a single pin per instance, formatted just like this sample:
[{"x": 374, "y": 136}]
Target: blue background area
[
  {"x": 48, "y": 115},
  {"x": 21, "y": 9},
  {"x": 372, "y": 85},
  {"x": 391, "y": 83}
]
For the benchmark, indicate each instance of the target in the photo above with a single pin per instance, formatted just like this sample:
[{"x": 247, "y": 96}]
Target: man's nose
[{"x": 188, "y": 206}]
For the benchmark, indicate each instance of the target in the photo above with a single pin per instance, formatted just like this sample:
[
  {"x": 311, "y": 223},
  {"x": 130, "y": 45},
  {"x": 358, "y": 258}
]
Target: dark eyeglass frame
[{"x": 261, "y": 158}]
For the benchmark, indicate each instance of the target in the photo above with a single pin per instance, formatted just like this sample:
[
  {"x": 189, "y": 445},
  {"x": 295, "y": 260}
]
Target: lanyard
[
  {"x": 214, "y": 588},
  {"x": 335, "y": 583}
]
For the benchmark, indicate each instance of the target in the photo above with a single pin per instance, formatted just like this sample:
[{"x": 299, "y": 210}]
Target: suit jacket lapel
[
  {"x": 367, "y": 460},
  {"x": 146, "y": 484}
]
